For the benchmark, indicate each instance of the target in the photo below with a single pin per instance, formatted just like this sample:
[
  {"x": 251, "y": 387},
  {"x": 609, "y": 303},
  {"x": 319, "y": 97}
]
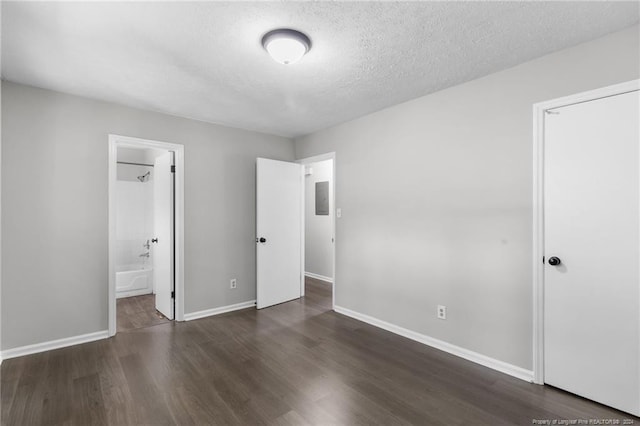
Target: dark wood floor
[
  {"x": 295, "y": 363},
  {"x": 138, "y": 312}
]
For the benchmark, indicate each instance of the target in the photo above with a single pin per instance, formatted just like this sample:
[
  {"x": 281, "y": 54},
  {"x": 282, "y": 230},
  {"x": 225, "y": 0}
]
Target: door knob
[
  {"x": 554, "y": 261},
  {"x": 262, "y": 240},
  {"x": 154, "y": 240}
]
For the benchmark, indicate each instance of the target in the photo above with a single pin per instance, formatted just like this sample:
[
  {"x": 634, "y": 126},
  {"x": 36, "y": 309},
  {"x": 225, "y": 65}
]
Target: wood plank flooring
[
  {"x": 137, "y": 312},
  {"x": 297, "y": 363}
]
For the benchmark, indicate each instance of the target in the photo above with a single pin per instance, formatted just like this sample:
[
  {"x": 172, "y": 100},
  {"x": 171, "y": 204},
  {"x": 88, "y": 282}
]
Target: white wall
[
  {"x": 130, "y": 172},
  {"x": 436, "y": 198},
  {"x": 134, "y": 215},
  {"x": 134, "y": 205},
  {"x": 132, "y": 155},
  {"x": 139, "y": 155},
  {"x": 318, "y": 254},
  {"x": 0, "y": 186},
  {"x": 55, "y": 209}
]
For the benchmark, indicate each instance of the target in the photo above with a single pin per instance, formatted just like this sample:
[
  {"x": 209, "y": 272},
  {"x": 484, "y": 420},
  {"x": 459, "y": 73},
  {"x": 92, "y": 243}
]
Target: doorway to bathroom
[{"x": 146, "y": 180}]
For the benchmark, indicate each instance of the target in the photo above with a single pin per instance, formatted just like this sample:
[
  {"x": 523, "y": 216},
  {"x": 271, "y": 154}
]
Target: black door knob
[
  {"x": 263, "y": 240},
  {"x": 155, "y": 240},
  {"x": 554, "y": 261}
]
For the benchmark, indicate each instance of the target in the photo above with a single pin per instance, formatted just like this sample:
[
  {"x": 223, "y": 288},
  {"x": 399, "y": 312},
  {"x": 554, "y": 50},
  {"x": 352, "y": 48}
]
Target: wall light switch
[{"x": 338, "y": 212}]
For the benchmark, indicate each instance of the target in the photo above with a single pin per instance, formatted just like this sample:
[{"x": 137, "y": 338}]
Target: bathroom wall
[
  {"x": 318, "y": 254},
  {"x": 134, "y": 215}
]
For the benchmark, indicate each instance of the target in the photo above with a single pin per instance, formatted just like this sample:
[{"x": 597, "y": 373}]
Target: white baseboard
[
  {"x": 318, "y": 277},
  {"x": 476, "y": 357},
  {"x": 217, "y": 311},
  {"x": 54, "y": 344}
]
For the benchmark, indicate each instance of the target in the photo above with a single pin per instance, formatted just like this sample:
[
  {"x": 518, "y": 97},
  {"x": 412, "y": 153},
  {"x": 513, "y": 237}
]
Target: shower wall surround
[{"x": 134, "y": 220}]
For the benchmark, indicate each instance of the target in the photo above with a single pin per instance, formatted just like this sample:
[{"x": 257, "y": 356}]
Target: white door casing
[
  {"x": 115, "y": 142},
  {"x": 163, "y": 227},
  {"x": 591, "y": 320},
  {"x": 332, "y": 203},
  {"x": 279, "y": 209}
]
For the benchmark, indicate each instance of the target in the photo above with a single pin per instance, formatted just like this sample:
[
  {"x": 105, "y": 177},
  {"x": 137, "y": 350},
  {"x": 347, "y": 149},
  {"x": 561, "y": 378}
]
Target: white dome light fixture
[{"x": 285, "y": 45}]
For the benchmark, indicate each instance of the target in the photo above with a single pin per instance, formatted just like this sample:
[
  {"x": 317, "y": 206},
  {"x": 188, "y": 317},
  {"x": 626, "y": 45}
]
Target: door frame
[
  {"x": 115, "y": 142},
  {"x": 305, "y": 161},
  {"x": 539, "y": 110}
]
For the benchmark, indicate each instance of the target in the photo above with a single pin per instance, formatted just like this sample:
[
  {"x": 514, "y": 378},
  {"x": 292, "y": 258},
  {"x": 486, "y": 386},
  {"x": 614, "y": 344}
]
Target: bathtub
[{"x": 133, "y": 280}]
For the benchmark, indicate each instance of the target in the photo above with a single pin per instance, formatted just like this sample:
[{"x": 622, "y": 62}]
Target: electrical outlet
[
  {"x": 442, "y": 312},
  {"x": 233, "y": 283}
]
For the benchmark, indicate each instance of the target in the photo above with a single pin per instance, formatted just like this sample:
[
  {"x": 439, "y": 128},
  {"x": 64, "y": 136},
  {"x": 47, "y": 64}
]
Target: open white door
[
  {"x": 163, "y": 248},
  {"x": 592, "y": 248},
  {"x": 279, "y": 198}
]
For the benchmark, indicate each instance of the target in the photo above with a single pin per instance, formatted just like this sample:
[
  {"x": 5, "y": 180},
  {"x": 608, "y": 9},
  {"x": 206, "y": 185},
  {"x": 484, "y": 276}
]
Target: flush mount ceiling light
[{"x": 286, "y": 45}]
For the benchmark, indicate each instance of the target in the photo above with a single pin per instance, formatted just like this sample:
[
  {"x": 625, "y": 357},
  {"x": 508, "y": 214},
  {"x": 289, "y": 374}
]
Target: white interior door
[
  {"x": 592, "y": 217},
  {"x": 163, "y": 248},
  {"x": 279, "y": 198}
]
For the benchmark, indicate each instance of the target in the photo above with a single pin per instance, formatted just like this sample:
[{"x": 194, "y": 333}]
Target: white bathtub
[{"x": 133, "y": 280}]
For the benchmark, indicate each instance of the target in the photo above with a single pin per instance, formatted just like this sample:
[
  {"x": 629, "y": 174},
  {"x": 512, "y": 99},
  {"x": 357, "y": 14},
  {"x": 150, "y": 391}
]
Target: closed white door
[
  {"x": 592, "y": 250},
  {"x": 163, "y": 248},
  {"x": 279, "y": 197}
]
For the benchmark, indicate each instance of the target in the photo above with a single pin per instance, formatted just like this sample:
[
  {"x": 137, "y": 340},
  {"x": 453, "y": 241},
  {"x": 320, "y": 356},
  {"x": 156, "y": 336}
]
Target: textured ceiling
[{"x": 203, "y": 60}]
